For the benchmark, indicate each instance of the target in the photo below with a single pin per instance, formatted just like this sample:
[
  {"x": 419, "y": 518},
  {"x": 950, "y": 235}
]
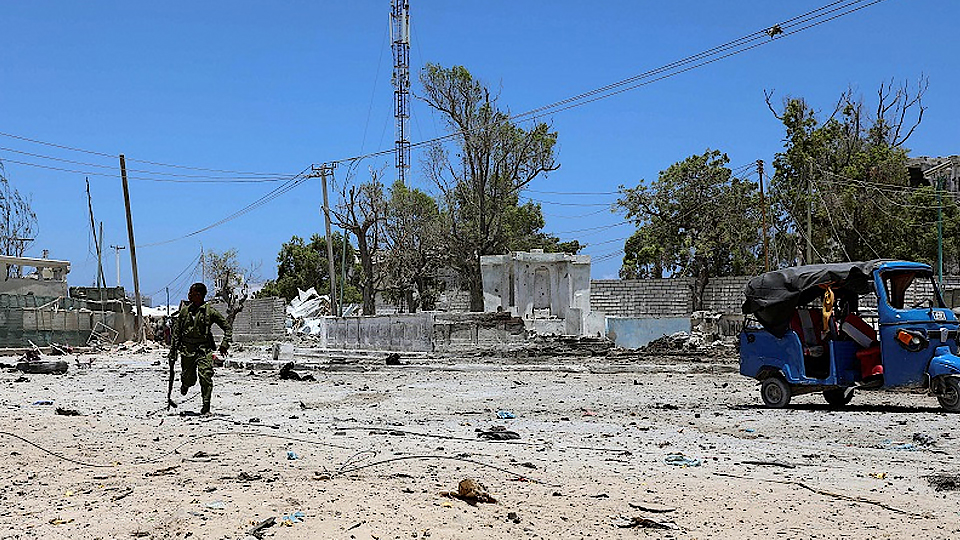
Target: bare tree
[
  {"x": 18, "y": 223},
  {"x": 230, "y": 280},
  {"x": 361, "y": 211}
]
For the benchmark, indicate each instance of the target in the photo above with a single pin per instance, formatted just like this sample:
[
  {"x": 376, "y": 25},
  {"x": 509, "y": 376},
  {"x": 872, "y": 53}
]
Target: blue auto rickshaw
[{"x": 837, "y": 328}]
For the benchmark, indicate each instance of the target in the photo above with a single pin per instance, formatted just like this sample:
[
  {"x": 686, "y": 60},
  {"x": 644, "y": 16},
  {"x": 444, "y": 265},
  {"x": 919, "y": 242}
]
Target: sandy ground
[{"x": 375, "y": 446}]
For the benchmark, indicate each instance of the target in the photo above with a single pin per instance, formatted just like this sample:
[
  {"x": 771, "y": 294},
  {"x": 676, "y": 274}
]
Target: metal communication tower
[{"x": 400, "y": 37}]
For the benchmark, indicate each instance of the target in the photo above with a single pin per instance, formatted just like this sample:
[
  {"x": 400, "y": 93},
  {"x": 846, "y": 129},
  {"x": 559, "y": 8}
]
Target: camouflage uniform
[{"x": 193, "y": 339}]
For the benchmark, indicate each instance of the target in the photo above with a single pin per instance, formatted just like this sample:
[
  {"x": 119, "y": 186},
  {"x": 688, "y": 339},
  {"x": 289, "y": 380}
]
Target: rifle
[{"x": 175, "y": 337}]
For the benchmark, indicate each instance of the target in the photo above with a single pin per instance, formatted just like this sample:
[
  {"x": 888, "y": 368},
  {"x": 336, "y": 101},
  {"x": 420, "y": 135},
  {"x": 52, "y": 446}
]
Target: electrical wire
[
  {"x": 287, "y": 186},
  {"x": 113, "y": 156},
  {"x": 751, "y": 41}
]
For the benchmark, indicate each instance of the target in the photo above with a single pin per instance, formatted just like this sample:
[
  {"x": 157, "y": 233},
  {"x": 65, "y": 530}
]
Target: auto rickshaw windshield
[{"x": 911, "y": 289}]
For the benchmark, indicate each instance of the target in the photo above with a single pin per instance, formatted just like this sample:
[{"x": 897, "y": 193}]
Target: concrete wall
[
  {"x": 644, "y": 298},
  {"x": 47, "y": 288},
  {"x": 43, "y": 320},
  {"x": 633, "y": 332},
  {"x": 262, "y": 319},
  {"x": 403, "y": 332},
  {"x": 536, "y": 284},
  {"x": 664, "y": 298}
]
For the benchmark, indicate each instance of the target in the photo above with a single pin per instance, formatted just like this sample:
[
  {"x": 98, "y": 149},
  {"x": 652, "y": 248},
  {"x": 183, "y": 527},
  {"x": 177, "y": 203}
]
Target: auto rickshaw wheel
[
  {"x": 838, "y": 397},
  {"x": 949, "y": 398},
  {"x": 775, "y": 392}
]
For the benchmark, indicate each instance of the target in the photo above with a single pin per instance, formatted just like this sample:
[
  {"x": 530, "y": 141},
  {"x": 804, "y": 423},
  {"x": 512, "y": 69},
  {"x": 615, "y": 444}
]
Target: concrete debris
[
  {"x": 683, "y": 342},
  {"x": 309, "y": 304}
]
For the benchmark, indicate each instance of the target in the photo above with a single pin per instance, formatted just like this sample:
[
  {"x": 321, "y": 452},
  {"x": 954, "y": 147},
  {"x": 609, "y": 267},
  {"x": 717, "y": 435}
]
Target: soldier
[{"x": 193, "y": 339}]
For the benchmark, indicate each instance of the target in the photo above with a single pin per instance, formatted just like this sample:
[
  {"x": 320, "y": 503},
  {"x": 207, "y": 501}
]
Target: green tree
[
  {"x": 414, "y": 238},
  {"x": 495, "y": 159},
  {"x": 695, "y": 220},
  {"x": 849, "y": 171},
  {"x": 301, "y": 265}
]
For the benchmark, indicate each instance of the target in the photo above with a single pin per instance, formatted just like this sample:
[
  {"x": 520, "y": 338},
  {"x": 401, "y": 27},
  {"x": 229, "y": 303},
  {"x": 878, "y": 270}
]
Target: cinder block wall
[
  {"x": 652, "y": 298},
  {"x": 664, "y": 298},
  {"x": 262, "y": 319}
]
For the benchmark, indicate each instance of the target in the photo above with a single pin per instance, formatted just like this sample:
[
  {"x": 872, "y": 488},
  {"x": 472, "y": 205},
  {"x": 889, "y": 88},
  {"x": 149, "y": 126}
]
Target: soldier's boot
[{"x": 206, "y": 408}]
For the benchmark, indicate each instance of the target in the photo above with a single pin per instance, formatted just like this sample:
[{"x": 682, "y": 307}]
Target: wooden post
[
  {"x": 326, "y": 219},
  {"x": 763, "y": 208},
  {"x": 140, "y": 330}
]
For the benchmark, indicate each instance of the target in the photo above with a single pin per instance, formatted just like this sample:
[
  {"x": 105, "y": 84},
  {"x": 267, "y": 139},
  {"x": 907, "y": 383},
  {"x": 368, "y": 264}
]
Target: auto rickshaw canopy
[{"x": 773, "y": 297}]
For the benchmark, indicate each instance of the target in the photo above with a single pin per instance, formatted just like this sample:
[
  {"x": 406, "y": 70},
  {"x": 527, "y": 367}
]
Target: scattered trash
[
  {"x": 896, "y": 445},
  {"x": 43, "y": 402},
  {"x": 769, "y": 463},
  {"x": 588, "y": 412},
  {"x": 646, "y": 523},
  {"x": 290, "y": 519},
  {"x": 43, "y": 367},
  {"x": 67, "y": 412},
  {"x": 292, "y": 455},
  {"x": 122, "y": 494},
  {"x": 923, "y": 439},
  {"x": 679, "y": 460},
  {"x": 164, "y": 471},
  {"x": 257, "y": 530},
  {"x": 878, "y": 475},
  {"x": 528, "y": 465},
  {"x": 943, "y": 482},
  {"x": 216, "y": 505},
  {"x": 652, "y": 508},
  {"x": 58, "y": 349},
  {"x": 497, "y": 433},
  {"x": 505, "y": 415},
  {"x": 393, "y": 359},
  {"x": 471, "y": 492},
  {"x": 59, "y": 521},
  {"x": 512, "y": 516},
  {"x": 288, "y": 374}
]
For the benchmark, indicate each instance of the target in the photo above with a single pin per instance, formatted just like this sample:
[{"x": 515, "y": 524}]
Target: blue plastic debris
[
  {"x": 289, "y": 519},
  {"x": 43, "y": 402},
  {"x": 505, "y": 415},
  {"x": 292, "y": 455}
]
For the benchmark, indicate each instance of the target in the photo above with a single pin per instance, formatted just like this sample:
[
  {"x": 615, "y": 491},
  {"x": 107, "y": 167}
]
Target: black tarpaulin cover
[{"x": 773, "y": 297}]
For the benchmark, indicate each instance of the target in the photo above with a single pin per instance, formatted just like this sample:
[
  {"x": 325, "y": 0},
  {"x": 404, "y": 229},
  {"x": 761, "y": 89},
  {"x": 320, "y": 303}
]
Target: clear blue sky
[{"x": 273, "y": 87}]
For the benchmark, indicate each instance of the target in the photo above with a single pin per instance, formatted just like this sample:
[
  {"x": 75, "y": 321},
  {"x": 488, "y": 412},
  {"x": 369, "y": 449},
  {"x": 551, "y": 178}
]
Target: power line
[
  {"x": 210, "y": 180},
  {"x": 287, "y": 186},
  {"x": 116, "y": 156},
  {"x": 753, "y": 40}
]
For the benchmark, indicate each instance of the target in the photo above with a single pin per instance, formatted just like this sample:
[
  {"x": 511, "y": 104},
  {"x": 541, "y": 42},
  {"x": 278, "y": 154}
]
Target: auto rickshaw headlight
[{"x": 911, "y": 341}]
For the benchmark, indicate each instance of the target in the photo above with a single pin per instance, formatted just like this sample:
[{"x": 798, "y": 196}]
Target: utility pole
[
  {"x": 400, "y": 38},
  {"x": 116, "y": 250},
  {"x": 141, "y": 331},
  {"x": 323, "y": 171},
  {"x": 343, "y": 269},
  {"x": 809, "y": 217},
  {"x": 763, "y": 208},
  {"x": 101, "y": 282},
  {"x": 935, "y": 175}
]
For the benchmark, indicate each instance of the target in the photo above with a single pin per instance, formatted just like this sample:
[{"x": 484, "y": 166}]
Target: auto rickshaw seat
[{"x": 807, "y": 324}]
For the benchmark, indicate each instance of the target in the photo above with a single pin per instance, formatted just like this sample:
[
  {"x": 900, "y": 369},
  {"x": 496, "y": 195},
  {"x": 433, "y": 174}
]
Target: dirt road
[{"x": 605, "y": 450}]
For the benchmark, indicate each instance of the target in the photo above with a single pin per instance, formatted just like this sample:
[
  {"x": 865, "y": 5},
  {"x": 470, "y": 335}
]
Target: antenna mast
[{"x": 400, "y": 38}]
